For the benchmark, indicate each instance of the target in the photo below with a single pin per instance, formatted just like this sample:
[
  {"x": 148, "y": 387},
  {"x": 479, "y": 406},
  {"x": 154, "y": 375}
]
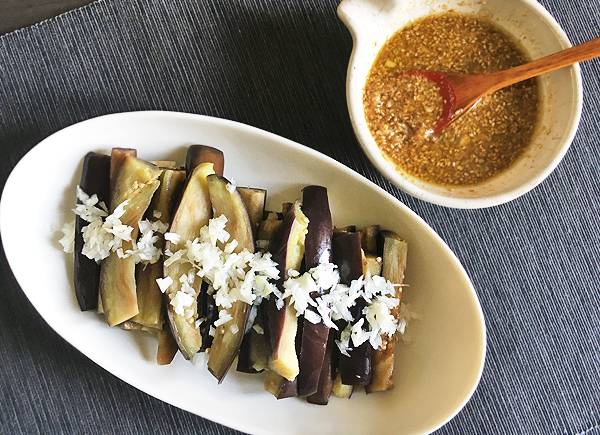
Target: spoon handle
[{"x": 586, "y": 51}]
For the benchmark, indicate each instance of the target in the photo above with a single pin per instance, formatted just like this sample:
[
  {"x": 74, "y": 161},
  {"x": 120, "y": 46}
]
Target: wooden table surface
[{"x": 15, "y": 14}]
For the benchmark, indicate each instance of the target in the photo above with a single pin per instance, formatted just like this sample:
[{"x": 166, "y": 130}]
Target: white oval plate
[{"x": 437, "y": 371}]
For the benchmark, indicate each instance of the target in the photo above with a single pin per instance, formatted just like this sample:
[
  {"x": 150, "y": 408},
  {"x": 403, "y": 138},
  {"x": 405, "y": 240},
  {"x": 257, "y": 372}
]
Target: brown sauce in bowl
[{"x": 400, "y": 108}]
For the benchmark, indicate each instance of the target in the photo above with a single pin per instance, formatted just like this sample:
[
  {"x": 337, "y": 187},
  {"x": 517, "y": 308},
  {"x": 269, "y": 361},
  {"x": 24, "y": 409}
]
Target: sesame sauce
[{"x": 400, "y": 108}]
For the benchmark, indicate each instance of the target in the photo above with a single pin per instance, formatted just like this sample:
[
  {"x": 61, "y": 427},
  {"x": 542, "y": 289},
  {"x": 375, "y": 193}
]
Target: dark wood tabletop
[{"x": 15, "y": 14}]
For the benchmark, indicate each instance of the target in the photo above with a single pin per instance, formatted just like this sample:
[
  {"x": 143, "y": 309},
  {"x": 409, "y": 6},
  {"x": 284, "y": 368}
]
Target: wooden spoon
[{"x": 461, "y": 92}]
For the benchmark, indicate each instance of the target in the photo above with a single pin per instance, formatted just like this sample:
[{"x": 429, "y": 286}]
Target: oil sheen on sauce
[{"x": 400, "y": 108}]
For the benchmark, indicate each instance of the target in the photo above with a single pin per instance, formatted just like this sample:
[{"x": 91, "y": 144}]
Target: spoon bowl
[{"x": 460, "y": 92}]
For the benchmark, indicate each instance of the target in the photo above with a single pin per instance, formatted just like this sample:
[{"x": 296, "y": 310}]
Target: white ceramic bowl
[
  {"x": 436, "y": 372},
  {"x": 372, "y": 22}
]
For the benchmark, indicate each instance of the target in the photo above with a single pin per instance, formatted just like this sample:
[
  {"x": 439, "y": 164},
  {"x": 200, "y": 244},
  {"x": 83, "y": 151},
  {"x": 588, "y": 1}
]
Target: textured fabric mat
[{"x": 281, "y": 66}]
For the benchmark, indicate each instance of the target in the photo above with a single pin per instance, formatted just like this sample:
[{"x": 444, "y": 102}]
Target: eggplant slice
[
  {"x": 167, "y": 347},
  {"x": 254, "y": 199},
  {"x": 341, "y": 390},
  {"x": 325, "y": 384},
  {"x": 394, "y": 264},
  {"x": 267, "y": 230},
  {"x": 348, "y": 256},
  {"x": 136, "y": 183},
  {"x": 193, "y": 213},
  {"x": 227, "y": 340},
  {"x": 253, "y": 343},
  {"x": 149, "y": 296},
  {"x": 369, "y": 240},
  {"x": 317, "y": 250},
  {"x": 197, "y": 154},
  {"x": 255, "y": 349},
  {"x": 95, "y": 179},
  {"x": 117, "y": 157},
  {"x": 279, "y": 386},
  {"x": 288, "y": 252}
]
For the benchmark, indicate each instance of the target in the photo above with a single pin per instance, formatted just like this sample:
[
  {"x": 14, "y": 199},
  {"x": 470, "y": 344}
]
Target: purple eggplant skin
[
  {"x": 317, "y": 245},
  {"x": 325, "y": 384},
  {"x": 255, "y": 345},
  {"x": 197, "y": 154},
  {"x": 358, "y": 368},
  {"x": 317, "y": 249},
  {"x": 207, "y": 309},
  {"x": 311, "y": 358},
  {"x": 244, "y": 364},
  {"x": 95, "y": 179},
  {"x": 254, "y": 353},
  {"x": 280, "y": 387},
  {"x": 347, "y": 255},
  {"x": 288, "y": 389}
]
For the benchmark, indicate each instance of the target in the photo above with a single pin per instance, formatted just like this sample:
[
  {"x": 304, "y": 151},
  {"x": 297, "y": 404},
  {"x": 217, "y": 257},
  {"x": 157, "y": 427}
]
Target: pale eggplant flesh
[
  {"x": 340, "y": 389},
  {"x": 227, "y": 341},
  {"x": 136, "y": 183},
  {"x": 165, "y": 164},
  {"x": 192, "y": 213},
  {"x": 254, "y": 199},
  {"x": 279, "y": 386},
  {"x": 346, "y": 229},
  {"x": 95, "y": 179},
  {"x": 348, "y": 256},
  {"x": 317, "y": 250},
  {"x": 167, "y": 347},
  {"x": 150, "y": 298},
  {"x": 117, "y": 157},
  {"x": 394, "y": 264},
  {"x": 130, "y": 325},
  {"x": 372, "y": 265},
  {"x": 370, "y": 240},
  {"x": 267, "y": 230},
  {"x": 288, "y": 251}
]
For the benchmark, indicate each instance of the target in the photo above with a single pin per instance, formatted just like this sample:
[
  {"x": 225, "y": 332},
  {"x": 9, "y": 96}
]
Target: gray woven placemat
[{"x": 281, "y": 66}]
